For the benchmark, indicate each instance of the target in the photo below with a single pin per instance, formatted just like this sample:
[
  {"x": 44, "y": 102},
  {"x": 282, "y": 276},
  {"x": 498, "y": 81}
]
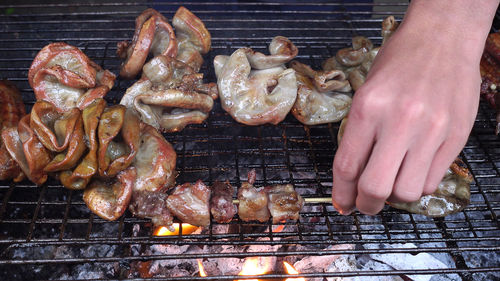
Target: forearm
[{"x": 452, "y": 24}]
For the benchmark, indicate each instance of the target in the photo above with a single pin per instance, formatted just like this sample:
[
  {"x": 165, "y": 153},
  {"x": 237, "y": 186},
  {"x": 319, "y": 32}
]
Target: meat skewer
[{"x": 311, "y": 200}]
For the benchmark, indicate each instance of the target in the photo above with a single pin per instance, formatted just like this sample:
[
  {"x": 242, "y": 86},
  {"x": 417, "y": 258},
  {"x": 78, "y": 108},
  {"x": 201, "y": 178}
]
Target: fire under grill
[{"x": 47, "y": 232}]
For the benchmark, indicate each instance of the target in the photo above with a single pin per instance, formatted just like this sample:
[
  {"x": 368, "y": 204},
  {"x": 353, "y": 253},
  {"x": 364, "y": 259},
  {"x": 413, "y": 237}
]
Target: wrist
[{"x": 459, "y": 25}]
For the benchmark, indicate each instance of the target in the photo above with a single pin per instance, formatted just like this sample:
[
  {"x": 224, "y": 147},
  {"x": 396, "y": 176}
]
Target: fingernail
[
  {"x": 343, "y": 211},
  {"x": 346, "y": 212}
]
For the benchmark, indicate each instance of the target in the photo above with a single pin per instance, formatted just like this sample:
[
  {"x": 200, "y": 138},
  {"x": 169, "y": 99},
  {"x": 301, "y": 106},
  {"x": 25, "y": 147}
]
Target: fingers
[
  {"x": 416, "y": 165},
  {"x": 350, "y": 159},
  {"x": 376, "y": 182},
  {"x": 445, "y": 155}
]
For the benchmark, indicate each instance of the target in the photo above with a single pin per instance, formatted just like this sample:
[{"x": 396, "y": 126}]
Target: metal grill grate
[{"x": 48, "y": 233}]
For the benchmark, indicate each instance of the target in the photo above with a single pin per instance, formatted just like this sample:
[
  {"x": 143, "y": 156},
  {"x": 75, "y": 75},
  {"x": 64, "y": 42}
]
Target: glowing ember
[
  {"x": 292, "y": 271},
  {"x": 278, "y": 228},
  {"x": 186, "y": 229},
  {"x": 202, "y": 269},
  {"x": 254, "y": 266}
]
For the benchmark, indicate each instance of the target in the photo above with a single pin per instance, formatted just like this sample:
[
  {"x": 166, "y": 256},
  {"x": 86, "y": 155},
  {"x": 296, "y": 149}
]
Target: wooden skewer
[{"x": 307, "y": 200}]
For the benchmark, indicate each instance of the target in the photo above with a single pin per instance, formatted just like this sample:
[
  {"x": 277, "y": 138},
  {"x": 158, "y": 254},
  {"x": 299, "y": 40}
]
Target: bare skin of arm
[{"x": 414, "y": 114}]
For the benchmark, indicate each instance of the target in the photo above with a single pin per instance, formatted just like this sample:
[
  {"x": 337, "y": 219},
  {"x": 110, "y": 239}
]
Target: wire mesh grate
[{"x": 45, "y": 226}]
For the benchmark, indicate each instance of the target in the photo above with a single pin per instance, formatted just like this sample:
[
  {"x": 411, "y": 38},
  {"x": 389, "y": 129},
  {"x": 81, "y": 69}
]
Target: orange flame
[
  {"x": 202, "y": 269},
  {"x": 254, "y": 266},
  {"x": 186, "y": 229},
  {"x": 278, "y": 228},
  {"x": 292, "y": 271}
]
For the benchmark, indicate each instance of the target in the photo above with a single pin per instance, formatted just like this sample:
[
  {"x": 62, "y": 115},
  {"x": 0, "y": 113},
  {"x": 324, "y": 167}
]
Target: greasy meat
[
  {"x": 221, "y": 202},
  {"x": 284, "y": 202},
  {"x": 322, "y": 96},
  {"x": 119, "y": 136},
  {"x": 153, "y": 34},
  {"x": 490, "y": 74},
  {"x": 11, "y": 111},
  {"x": 64, "y": 76},
  {"x": 354, "y": 61},
  {"x": 190, "y": 203},
  {"x": 252, "y": 201},
  {"x": 255, "y": 88},
  {"x": 81, "y": 175},
  {"x": 151, "y": 205},
  {"x": 389, "y": 26},
  {"x": 25, "y": 148},
  {"x": 451, "y": 196},
  {"x": 154, "y": 162},
  {"x": 109, "y": 199},
  {"x": 357, "y": 60},
  {"x": 61, "y": 133},
  {"x": 193, "y": 38},
  {"x": 170, "y": 95}
]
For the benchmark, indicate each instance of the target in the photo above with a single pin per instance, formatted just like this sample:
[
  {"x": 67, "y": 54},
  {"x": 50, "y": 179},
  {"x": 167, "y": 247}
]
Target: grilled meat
[
  {"x": 153, "y": 34},
  {"x": 284, "y": 202},
  {"x": 321, "y": 96},
  {"x": 119, "y": 136},
  {"x": 11, "y": 111},
  {"x": 151, "y": 205},
  {"x": 253, "y": 202},
  {"x": 26, "y": 149},
  {"x": 110, "y": 198},
  {"x": 190, "y": 203},
  {"x": 81, "y": 175},
  {"x": 221, "y": 202},
  {"x": 64, "y": 76},
  {"x": 255, "y": 88},
  {"x": 170, "y": 95},
  {"x": 154, "y": 162},
  {"x": 193, "y": 38}
]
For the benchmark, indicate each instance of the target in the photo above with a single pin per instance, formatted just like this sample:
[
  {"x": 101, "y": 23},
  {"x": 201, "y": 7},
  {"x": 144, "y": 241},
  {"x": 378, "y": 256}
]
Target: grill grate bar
[
  {"x": 248, "y": 254},
  {"x": 66, "y": 213}
]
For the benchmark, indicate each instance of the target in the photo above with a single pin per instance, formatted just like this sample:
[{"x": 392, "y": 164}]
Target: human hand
[{"x": 413, "y": 115}]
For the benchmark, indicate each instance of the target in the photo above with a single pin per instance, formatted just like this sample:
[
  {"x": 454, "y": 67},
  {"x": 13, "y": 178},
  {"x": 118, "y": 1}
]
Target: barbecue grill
[{"x": 48, "y": 233}]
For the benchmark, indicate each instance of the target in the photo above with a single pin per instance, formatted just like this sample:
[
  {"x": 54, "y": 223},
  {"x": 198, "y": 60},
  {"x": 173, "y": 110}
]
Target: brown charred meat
[
  {"x": 153, "y": 34},
  {"x": 490, "y": 74},
  {"x": 252, "y": 201},
  {"x": 190, "y": 203},
  {"x": 170, "y": 95},
  {"x": 284, "y": 202},
  {"x": 29, "y": 153},
  {"x": 81, "y": 175},
  {"x": 119, "y": 136},
  {"x": 64, "y": 76},
  {"x": 151, "y": 205},
  {"x": 109, "y": 199},
  {"x": 221, "y": 202},
  {"x": 11, "y": 111}
]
